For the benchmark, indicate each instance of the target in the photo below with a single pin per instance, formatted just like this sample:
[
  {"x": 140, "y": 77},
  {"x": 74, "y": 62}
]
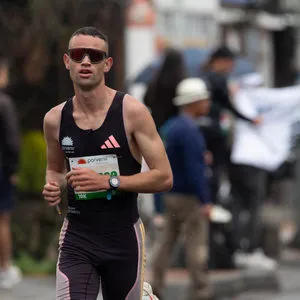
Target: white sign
[
  {"x": 102, "y": 164},
  {"x": 267, "y": 145}
]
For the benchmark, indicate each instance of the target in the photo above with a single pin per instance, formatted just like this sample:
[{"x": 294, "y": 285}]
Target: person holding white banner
[
  {"x": 256, "y": 152},
  {"x": 216, "y": 72}
]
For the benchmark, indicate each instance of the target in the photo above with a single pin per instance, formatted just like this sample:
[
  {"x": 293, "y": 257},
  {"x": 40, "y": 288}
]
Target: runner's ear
[{"x": 108, "y": 64}]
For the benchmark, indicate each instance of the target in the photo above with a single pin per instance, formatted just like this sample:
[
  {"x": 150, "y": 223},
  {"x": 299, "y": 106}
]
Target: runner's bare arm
[
  {"x": 56, "y": 168},
  {"x": 141, "y": 125}
]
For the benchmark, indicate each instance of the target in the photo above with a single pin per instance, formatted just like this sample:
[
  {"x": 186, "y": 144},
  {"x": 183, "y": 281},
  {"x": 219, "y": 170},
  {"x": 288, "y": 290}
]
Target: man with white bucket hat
[{"x": 188, "y": 204}]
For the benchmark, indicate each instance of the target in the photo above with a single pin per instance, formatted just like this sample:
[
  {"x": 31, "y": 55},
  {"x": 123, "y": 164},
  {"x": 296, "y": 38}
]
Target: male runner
[{"x": 99, "y": 137}]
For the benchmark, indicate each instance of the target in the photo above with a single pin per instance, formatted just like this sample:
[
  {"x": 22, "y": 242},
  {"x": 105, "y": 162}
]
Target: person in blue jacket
[{"x": 188, "y": 204}]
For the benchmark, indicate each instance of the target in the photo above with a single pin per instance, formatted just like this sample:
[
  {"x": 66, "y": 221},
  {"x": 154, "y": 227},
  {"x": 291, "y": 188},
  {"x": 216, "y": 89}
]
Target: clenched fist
[{"x": 52, "y": 193}]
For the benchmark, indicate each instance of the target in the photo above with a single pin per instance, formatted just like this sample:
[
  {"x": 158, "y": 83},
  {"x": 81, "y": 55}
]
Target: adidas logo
[{"x": 110, "y": 143}]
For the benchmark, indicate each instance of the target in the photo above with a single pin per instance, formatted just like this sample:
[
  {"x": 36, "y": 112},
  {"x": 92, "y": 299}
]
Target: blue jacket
[{"x": 185, "y": 146}]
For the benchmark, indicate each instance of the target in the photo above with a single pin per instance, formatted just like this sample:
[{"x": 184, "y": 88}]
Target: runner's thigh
[
  {"x": 122, "y": 279},
  {"x": 76, "y": 277}
]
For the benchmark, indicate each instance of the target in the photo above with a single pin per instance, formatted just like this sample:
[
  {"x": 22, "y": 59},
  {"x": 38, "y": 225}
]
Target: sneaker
[
  {"x": 240, "y": 259},
  {"x": 259, "y": 260},
  {"x": 10, "y": 277},
  {"x": 263, "y": 261},
  {"x": 220, "y": 215},
  {"x": 148, "y": 293}
]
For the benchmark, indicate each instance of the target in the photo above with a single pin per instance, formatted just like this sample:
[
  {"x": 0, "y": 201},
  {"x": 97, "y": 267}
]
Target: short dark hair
[
  {"x": 222, "y": 52},
  {"x": 91, "y": 31}
]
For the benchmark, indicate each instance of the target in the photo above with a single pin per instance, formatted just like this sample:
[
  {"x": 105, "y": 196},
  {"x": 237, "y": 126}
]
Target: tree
[{"x": 36, "y": 34}]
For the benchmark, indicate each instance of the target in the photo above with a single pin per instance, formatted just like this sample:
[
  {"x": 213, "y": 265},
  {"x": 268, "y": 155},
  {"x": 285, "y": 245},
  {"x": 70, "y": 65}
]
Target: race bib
[{"x": 102, "y": 164}]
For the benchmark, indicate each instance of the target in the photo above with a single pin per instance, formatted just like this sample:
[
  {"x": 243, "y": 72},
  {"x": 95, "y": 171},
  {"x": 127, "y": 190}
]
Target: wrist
[
  {"x": 114, "y": 182},
  {"x": 104, "y": 179}
]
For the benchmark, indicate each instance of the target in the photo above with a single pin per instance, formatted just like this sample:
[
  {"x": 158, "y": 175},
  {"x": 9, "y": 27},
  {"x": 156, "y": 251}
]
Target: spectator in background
[
  {"x": 9, "y": 153},
  {"x": 249, "y": 191},
  {"x": 162, "y": 89},
  {"x": 216, "y": 71},
  {"x": 188, "y": 204},
  {"x": 159, "y": 99}
]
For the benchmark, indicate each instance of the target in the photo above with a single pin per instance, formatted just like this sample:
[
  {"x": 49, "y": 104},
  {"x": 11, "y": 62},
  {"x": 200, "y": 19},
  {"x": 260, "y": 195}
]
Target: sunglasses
[{"x": 95, "y": 56}]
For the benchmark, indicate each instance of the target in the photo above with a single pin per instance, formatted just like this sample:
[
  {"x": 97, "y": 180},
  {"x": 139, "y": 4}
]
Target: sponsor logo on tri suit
[
  {"x": 67, "y": 145},
  {"x": 110, "y": 143},
  {"x": 73, "y": 211}
]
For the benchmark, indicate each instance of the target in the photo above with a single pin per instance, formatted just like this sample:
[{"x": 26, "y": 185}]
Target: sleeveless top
[{"x": 106, "y": 151}]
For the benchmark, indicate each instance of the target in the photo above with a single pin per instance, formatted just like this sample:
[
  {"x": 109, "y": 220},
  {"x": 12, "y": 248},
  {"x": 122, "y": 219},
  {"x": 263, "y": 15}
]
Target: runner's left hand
[{"x": 84, "y": 180}]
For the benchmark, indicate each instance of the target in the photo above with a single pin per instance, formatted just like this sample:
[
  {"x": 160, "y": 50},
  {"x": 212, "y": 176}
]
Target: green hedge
[
  {"x": 32, "y": 163},
  {"x": 31, "y": 266}
]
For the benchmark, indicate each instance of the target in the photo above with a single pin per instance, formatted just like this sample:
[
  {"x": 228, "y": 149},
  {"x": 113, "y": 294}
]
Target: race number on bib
[{"x": 102, "y": 164}]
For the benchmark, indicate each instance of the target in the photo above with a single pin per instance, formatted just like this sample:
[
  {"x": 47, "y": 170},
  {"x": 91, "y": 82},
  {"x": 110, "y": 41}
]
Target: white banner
[{"x": 267, "y": 145}]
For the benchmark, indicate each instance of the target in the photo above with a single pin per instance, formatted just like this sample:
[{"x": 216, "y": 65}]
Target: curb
[
  {"x": 290, "y": 258},
  {"x": 228, "y": 284},
  {"x": 250, "y": 280}
]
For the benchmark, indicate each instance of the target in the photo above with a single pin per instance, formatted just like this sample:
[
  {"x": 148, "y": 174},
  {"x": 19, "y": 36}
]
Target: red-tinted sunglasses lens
[
  {"x": 78, "y": 55},
  {"x": 96, "y": 55}
]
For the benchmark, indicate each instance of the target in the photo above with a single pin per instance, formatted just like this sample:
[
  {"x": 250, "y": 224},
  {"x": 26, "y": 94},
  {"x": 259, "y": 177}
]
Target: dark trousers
[
  {"x": 7, "y": 193},
  {"x": 220, "y": 240},
  {"x": 217, "y": 146},
  {"x": 249, "y": 188}
]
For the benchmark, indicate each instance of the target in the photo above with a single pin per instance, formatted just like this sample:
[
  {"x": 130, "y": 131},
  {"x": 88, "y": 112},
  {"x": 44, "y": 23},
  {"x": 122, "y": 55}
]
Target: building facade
[
  {"x": 154, "y": 25},
  {"x": 186, "y": 23},
  {"x": 267, "y": 32}
]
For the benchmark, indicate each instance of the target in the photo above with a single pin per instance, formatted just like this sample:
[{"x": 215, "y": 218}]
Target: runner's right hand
[{"x": 52, "y": 193}]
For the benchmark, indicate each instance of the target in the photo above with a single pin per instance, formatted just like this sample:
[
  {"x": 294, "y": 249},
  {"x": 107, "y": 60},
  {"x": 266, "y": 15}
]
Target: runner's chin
[{"x": 86, "y": 81}]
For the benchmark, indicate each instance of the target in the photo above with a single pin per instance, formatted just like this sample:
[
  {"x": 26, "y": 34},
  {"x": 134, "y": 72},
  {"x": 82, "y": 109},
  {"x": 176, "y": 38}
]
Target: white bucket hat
[{"x": 190, "y": 90}]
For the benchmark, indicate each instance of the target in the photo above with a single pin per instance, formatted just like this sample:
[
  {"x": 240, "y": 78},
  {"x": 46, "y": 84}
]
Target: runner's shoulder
[
  {"x": 53, "y": 116},
  {"x": 134, "y": 108}
]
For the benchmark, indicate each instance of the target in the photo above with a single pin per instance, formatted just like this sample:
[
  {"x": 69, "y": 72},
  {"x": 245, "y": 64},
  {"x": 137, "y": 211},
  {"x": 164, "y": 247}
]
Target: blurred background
[{"x": 35, "y": 34}]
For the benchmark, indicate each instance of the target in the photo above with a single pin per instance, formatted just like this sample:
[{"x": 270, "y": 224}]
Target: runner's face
[{"x": 84, "y": 74}]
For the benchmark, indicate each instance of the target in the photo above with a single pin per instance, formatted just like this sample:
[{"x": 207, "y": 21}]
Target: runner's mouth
[{"x": 85, "y": 72}]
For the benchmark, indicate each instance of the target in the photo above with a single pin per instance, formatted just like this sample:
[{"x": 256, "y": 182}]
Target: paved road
[
  {"x": 290, "y": 287},
  {"x": 43, "y": 289},
  {"x": 32, "y": 289}
]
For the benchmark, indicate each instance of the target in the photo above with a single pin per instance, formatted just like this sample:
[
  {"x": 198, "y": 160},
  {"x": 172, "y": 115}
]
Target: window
[
  {"x": 197, "y": 26},
  {"x": 166, "y": 23}
]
